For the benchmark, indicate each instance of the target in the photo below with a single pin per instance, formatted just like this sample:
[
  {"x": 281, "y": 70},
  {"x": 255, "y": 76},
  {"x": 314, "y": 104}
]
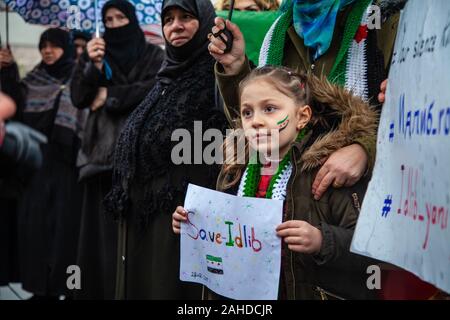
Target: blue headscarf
[{"x": 314, "y": 21}]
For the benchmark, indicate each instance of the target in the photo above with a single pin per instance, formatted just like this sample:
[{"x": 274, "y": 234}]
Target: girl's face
[
  {"x": 179, "y": 26},
  {"x": 270, "y": 118}
]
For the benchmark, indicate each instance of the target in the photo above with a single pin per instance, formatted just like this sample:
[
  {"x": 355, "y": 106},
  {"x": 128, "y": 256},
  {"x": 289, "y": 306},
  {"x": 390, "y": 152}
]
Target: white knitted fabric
[
  {"x": 264, "y": 51},
  {"x": 279, "y": 188},
  {"x": 242, "y": 184},
  {"x": 356, "y": 73}
]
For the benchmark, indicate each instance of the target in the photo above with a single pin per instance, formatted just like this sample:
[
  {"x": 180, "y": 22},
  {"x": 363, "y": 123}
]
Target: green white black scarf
[{"x": 350, "y": 67}]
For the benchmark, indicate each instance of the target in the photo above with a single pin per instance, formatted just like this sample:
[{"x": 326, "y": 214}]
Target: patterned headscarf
[{"x": 314, "y": 21}]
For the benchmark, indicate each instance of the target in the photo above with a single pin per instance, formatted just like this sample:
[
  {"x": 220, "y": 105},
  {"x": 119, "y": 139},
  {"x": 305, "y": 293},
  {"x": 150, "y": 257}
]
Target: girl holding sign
[{"x": 311, "y": 118}]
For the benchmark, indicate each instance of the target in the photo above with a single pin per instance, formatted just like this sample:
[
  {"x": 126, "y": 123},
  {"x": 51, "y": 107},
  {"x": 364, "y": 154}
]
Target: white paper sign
[
  {"x": 404, "y": 217},
  {"x": 230, "y": 245}
]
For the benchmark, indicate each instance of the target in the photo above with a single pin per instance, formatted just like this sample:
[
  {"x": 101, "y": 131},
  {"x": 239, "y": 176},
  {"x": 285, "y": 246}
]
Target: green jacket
[{"x": 296, "y": 56}]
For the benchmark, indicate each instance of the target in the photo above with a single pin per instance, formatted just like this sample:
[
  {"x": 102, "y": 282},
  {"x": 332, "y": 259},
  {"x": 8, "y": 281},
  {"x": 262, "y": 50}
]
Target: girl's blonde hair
[
  {"x": 299, "y": 87},
  {"x": 264, "y": 5}
]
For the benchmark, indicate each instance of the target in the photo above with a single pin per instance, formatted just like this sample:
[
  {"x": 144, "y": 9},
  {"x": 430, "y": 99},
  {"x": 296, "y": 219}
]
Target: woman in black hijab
[
  {"x": 49, "y": 209},
  {"x": 112, "y": 77},
  {"x": 80, "y": 40},
  {"x": 147, "y": 185}
]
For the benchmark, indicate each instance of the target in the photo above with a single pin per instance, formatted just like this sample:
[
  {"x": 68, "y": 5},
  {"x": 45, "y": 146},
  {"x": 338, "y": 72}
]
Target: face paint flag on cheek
[{"x": 282, "y": 124}]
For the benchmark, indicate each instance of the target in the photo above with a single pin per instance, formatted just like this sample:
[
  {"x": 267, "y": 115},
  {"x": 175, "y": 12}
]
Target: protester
[
  {"x": 49, "y": 210},
  {"x": 316, "y": 259},
  {"x": 147, "y": 184},
  {"x": 338, "y": 45},
  {"x": 332, "y": 46},
  {"x": 112, "y": 77},
  {"x": 80, "y": 40}
]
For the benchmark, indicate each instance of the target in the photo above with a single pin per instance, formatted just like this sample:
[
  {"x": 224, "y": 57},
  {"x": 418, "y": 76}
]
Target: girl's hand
[
  {"x": 180, "y": 215},
  {"x": 300, "y": 236},
  {"x": 233, "y": 60}
]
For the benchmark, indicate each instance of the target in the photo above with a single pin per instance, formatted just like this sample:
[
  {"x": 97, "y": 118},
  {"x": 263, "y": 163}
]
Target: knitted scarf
[
  {"x": 278, "y": 183},
  {"x": 350, "y": 67}
]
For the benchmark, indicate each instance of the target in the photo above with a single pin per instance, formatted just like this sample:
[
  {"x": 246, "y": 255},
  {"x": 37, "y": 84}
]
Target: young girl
[{"x": 313, "y": 118}]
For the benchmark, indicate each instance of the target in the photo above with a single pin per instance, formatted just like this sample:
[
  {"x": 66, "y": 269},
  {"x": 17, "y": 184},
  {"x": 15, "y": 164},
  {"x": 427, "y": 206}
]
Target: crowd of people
[{"x": 108, "y": 197}]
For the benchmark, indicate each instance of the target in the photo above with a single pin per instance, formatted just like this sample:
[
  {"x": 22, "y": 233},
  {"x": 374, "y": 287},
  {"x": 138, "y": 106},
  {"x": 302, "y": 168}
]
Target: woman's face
[
  {"x": 242, "y": 5},
  {"x": 114, "y": 18},
  {"x": 179, "y": 26},
  {"x": 51, "y": 53},
  {"x": 80, "y": 45}
]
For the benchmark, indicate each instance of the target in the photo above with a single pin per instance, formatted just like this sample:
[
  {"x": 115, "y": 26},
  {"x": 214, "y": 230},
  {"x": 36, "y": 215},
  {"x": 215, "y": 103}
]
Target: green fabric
[
  {"x": 254, "y": 171},
  {"x": 337, "y": 74},
  {"x": 254, "y": 26},
  {"x": 276, "y": 49},
  {"x": 254, "y": 177}
]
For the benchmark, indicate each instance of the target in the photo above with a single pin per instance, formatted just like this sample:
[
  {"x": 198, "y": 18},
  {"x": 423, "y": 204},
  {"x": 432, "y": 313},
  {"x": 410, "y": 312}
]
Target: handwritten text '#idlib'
[
  {"x": 239, "y": 236},
  {"x": 409, "y": 205}
]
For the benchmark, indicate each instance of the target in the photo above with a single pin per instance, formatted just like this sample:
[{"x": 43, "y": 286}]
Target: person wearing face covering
[
  {"x": 49, "y": 208},
  {"x": 112, "y": 77},
  {"x": 80, "y": 40},
  {"x": 147, "y": 184}
]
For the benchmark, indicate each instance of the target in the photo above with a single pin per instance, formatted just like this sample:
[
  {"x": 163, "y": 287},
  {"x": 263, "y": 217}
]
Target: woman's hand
[
  {"x": 179, "y": 216},
  {"x": 344, "y": 167},
  {"x": 100, "y": 99},
  {"x": 232, "y": 61},
  {"x": 382, "y": 94},
  {"x": 96, "y": 51},
  {"x": 6, "y": 58},
  {"x": 300, "y": 236}
]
